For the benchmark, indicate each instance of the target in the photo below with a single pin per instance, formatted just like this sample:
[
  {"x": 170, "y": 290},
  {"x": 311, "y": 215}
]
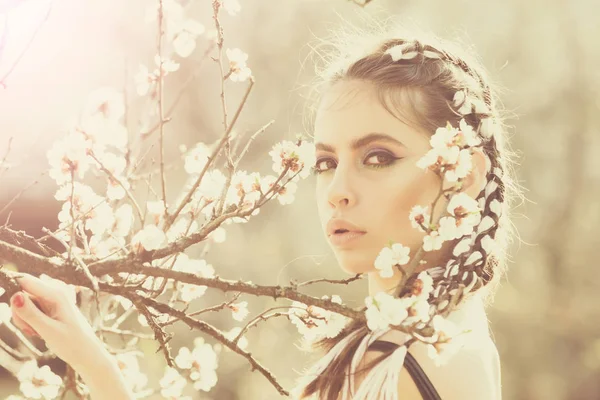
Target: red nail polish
[{"x": 18, "y": 300}]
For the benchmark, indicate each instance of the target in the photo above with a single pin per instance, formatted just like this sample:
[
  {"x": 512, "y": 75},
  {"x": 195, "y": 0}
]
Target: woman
[
  {"x": 384, "y": 100},
  {"x": 388, "y": 99}
]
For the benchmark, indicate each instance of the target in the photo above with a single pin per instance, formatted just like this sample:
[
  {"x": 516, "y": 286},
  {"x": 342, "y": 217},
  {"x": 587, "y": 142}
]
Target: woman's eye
[
  {"x": 323, "y": 165},
  {"x": 381, "y": 157},
  {"x": 376, "y": 159}
]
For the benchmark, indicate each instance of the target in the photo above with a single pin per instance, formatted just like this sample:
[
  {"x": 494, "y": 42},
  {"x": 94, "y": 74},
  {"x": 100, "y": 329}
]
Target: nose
[{"x": 340, "y": 191}]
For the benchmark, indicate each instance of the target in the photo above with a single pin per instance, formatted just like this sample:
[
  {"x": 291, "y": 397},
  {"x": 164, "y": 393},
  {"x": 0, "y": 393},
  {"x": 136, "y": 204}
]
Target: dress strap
[{"x": 426, "y": 388}]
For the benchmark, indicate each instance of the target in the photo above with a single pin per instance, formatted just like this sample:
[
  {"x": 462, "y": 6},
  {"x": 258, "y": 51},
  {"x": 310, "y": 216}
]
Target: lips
[{"x": 337, "y": 226}]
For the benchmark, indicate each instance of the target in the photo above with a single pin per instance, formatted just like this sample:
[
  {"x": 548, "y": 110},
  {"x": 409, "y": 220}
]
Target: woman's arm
[
  {"x": 103, "y": 377},
  {"x": 47, "y": 308}
]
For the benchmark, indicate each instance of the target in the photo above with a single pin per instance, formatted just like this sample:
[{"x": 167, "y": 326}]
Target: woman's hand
[{"x": 47, "y": 308}]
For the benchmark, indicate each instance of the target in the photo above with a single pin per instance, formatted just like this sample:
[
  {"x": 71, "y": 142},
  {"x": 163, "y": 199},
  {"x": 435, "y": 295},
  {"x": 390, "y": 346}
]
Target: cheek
[{"x": 416, "y": 188}]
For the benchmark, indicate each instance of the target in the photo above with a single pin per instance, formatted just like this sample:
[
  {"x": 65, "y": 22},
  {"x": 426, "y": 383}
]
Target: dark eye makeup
[{"x": 379, "y": 154}]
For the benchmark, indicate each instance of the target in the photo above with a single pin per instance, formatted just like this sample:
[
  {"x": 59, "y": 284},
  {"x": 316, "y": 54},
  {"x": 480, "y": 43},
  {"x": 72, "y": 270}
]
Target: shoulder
[{"x": 472, "y": 373}]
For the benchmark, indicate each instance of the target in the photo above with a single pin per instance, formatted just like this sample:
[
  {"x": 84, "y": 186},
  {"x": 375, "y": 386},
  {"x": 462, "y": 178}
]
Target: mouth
[{"x": 344, "y": 237}]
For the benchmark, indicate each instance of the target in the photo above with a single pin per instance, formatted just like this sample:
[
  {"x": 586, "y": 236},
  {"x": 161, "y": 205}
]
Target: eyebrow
[{"x": 362, "y": 141}]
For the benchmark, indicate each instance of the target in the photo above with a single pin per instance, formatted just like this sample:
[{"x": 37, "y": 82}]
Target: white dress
[{"x": 381, "y": 381}]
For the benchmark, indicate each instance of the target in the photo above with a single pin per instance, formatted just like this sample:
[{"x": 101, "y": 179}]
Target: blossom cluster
[{"x": 315, "y": 323}]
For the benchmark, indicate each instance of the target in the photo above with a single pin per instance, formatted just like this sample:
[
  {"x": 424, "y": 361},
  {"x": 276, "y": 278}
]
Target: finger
[
  {"x": 39, "y": 288},
  {"x": 31, "y": 314},
  {"x": 66, "y": 288},
  {"x": 22, "y": 325}
]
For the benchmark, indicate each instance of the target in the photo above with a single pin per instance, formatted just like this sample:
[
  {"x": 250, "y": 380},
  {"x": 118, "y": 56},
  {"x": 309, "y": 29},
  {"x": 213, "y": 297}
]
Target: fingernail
[
  {"x": 29, "y": 332},
  {"x": 18, "y": 300}
]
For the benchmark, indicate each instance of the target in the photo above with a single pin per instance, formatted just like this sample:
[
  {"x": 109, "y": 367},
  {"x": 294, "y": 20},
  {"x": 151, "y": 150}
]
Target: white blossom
[
  {"x": 172, "y": 383},
  {"x": 468, "y": 136},
  {"x": 68, "y": 155},
  {"x": 233, "y": 333},
  {"x": 239, "y": 310},
  {"x": 231, "y": 6},
  {"x": 123, "y": 220},
  {"x": 201, "y": 362},
  {"x": 419, "y": 216},
  {"x": 107, "y": 101},
  {"x": 237, "y": 63},
  {"x": 184, "y": 41},
  {"x": 143, "y": 80},
  {"x": 314, "y": 322},
  {"x": 384, "y": 310},
  {"x": 288, "y": 154},
  {"x": 130, "y": 369},
  {"x": 38, "y": 382},
  {"x": 389, "y": 257},
  {"x": 181, "y": 228},
  {"x": 150, "y": 238},
  {"x": 196, "y": 158},
  {"x": 461, "y": 168},
  {"x": 433, "y": 241},
  {"x": 448, "y": 340},
  {"x": 218, "y": 235},
  {"x": 168, "y": 65},
  {"x": 423, "y": 285}
]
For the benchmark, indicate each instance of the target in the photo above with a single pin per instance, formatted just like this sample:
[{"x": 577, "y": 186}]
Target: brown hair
[{"x": 427, "y": 82}]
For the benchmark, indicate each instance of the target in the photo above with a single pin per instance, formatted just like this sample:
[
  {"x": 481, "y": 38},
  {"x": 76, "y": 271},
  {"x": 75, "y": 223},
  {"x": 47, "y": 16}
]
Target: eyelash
[{"x": 393, "y": 159}]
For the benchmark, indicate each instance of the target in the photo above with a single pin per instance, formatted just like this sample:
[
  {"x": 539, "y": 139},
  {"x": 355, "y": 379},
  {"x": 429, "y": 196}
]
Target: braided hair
[{"x": 442, "y": 85}]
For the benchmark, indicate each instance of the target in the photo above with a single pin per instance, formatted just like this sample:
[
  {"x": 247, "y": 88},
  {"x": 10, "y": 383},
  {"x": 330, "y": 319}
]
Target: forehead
[{"x": 351, "y": 109}]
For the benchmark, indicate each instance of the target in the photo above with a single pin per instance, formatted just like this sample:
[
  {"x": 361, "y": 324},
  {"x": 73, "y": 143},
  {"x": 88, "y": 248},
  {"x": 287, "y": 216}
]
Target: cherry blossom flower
[
  {"x": 130, "y": 369},
  {"x": 399, "y": 52},
  {"x": 447, "y": 340},
  {"x": 150, "y": 238},
  {"x": 439, "y": 156},
  {"x": 143, "y": 80},
  {"x": 108, "y": 102},
  {"x": 314, "y": 322},
  {"x": 389, "y": 257},
  {"x": 231, "y": 6},
  {"x": 38, "y": 382},
  {"x": 201, "y": 362},
  {"x": 384, "y": 310},
  {"x": 123, "y": 220},
  {"x": 433, "y": 241},
  {"x": 465, "y": 214},
  {"x": 100, "y": 219},
  {"x": 180, "y": 227},
  {"x": 68, "y": 155},
  {"x": 467, "y": 135},
  {"x": 233, "y": 333},
  {"x": 155, "y": 210},
  {"x": 184, "y": 40},
  {"x": 237, "y": 63},
  {"x": 105, "y": 247},
  {"x": 289, "y": 154},
  {"x": 419, "y": 217},
  {"x": 195, "y": 160},
  {"x": 219, "y": 235},
  {"x": 172, "y": 383},
  {"x": 423, "y": 285},
  {"x": 239, "y": 310},
  {"x": 168, "y": 65},
  {"x": 461, "y": 168}
]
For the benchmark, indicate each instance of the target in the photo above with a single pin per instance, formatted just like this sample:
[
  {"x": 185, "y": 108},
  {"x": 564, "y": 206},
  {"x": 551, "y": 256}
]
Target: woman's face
[{"x": 370, "y": 178}]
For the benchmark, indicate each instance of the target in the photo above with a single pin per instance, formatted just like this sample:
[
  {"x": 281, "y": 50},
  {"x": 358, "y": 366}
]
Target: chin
[{"x": 353, "y": 264}]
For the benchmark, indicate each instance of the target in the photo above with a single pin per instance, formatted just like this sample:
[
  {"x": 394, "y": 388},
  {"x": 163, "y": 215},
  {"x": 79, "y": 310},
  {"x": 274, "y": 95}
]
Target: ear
[{"x": 475, "y": 182}]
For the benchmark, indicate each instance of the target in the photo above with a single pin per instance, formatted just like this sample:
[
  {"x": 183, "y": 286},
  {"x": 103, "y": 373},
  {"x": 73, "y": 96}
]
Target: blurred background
[{"x": 545, "y": 318}]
